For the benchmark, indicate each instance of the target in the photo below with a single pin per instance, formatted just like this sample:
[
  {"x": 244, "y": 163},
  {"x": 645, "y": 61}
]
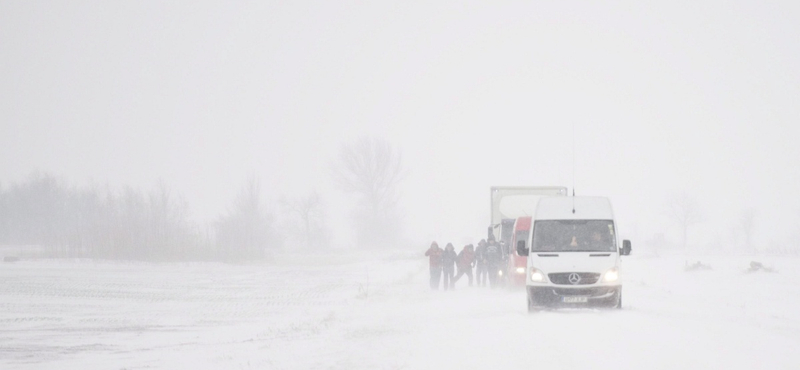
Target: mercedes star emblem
[{"x": 574, "y": 278}]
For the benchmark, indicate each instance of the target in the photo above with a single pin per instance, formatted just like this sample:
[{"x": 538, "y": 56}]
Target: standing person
[
  {"x": 434, "y": 254},
  {"x": 504, "y": 255},
  {"x": 465, "y": 263},
  {"x": 448, "y": 266},
  {"x": 480, "y": 262},
  {"x": 494, "y": 260}
]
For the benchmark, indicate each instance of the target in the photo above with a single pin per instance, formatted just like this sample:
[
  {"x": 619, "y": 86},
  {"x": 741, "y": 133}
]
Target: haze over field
[{"x": 679, "y": 98}]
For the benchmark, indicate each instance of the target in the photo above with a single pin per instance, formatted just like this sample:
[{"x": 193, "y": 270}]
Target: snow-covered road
[{"x": 372, "y": 312}]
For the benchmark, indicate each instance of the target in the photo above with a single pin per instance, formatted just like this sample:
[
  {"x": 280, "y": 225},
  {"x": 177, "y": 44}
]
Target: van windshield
[{"x": 574, "y": 236}]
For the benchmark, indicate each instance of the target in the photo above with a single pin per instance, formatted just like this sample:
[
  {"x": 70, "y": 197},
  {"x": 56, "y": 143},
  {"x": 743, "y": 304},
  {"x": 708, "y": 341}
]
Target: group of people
[{"x": 447, "y": 266}]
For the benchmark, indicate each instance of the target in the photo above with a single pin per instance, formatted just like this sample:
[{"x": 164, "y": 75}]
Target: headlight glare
[
  {"x": 537, "y": 276},
  {"x": 611, "y": 275}
]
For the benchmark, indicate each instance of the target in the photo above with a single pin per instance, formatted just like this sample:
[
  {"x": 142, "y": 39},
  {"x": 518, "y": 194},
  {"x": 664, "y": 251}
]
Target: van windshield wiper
[{"x": 580, "y": 250}]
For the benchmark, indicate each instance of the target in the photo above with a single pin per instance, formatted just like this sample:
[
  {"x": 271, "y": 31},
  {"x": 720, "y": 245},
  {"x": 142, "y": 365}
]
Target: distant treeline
[
  {"x": 128, "y": 223},
  {"x": 100, "y": 222}
]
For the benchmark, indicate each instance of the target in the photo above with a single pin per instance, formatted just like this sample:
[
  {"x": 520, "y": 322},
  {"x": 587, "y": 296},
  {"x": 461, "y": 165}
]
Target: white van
[{"x": 574, "y": 255}]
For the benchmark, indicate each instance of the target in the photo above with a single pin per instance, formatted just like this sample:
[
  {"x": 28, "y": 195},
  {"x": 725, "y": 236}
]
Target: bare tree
[
  {"x": 371, "y": 169},
  {"x": 246, "y": 230},
  {"x": 168, "y": 215},
  {"x": 684, "y": 212},
  {"x": 747, "y": 223},
  {"x": 307, "y": 219},
  {"x": 792, "y": 245},
  {"x": 36, "y": 213},
  {"x": 5, "y": 215}
]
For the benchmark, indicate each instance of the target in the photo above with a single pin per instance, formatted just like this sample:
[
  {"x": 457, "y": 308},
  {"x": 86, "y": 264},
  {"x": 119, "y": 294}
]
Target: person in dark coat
[
  {"x": 434, "y": 254},
  {"x": 448, "y": 266},
  {"x": 494, "y": 260},
  {"x": 465, "y": 262},
  {"x": 480, "y": 263}
]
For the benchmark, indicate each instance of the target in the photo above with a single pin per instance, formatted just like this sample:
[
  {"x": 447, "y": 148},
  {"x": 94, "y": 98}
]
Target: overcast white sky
[{"x": 694, "y": 97}]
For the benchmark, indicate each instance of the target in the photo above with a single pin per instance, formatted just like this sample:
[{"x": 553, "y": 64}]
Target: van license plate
[{"x": 574, "y": 299}]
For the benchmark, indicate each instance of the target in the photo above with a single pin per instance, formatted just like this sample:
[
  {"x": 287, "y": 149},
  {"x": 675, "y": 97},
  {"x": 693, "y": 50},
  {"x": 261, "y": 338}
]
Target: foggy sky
[{"x": 687, "y": 97}]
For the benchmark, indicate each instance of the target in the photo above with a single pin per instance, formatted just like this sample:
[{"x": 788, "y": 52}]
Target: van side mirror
[
  {"x": 626, "y": 248},
  {"x": 521, "y": 250}
]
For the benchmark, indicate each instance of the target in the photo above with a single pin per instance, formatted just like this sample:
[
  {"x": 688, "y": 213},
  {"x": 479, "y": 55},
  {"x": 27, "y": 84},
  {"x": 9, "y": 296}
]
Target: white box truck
[
  {"x": 573, "y": 254},
  {"x": 508, "y": 204}
]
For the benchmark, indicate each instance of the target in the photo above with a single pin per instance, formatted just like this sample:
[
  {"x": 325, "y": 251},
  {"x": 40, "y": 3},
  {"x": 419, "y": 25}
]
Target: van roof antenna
[
  {"x": 573, "y": 200},
  {"x": 573, "y": 167}
]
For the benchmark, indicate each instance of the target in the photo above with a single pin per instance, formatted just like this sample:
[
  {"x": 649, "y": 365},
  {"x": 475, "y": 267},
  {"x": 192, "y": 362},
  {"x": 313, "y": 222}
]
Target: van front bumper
[{"x": 555, "y": 296}]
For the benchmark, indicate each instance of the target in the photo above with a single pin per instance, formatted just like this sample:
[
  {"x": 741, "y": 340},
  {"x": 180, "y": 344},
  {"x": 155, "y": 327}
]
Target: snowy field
[{"x": 359, "y": 311}]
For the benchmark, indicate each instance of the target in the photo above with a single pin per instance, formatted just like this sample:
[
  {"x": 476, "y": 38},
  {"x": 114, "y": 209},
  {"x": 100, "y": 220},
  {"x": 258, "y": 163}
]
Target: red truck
[{"x": 517, "y": 265}]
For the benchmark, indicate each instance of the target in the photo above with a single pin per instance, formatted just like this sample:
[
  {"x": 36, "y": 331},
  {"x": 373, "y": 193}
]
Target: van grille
[
  {"x": 562, "y": 278},
  {"x": 587, "y": 292}
]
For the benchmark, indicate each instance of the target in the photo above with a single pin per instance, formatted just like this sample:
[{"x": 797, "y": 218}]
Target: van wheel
[
  {"x": 619, "y": 301},
  {"x": 532, "y": 307}
]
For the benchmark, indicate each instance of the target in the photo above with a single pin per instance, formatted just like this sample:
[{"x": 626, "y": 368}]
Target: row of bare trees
[
  {"x": 100, "y": 222},
  {"x": 685, "y": 213},
  {"x": 96, "y": 221}
]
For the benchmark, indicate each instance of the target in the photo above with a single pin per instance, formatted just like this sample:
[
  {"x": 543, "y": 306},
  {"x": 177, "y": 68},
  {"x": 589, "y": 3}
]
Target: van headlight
[
  {"x": 520, "y": 270},
  {"x": 537, "y": 276},
  {"x": 611, "y": 275}
]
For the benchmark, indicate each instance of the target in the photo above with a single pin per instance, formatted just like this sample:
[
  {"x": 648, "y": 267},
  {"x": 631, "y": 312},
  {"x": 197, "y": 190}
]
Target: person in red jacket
[
  {"x": 465, "y": 262},
  {"x": 434, "y": 254}
]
